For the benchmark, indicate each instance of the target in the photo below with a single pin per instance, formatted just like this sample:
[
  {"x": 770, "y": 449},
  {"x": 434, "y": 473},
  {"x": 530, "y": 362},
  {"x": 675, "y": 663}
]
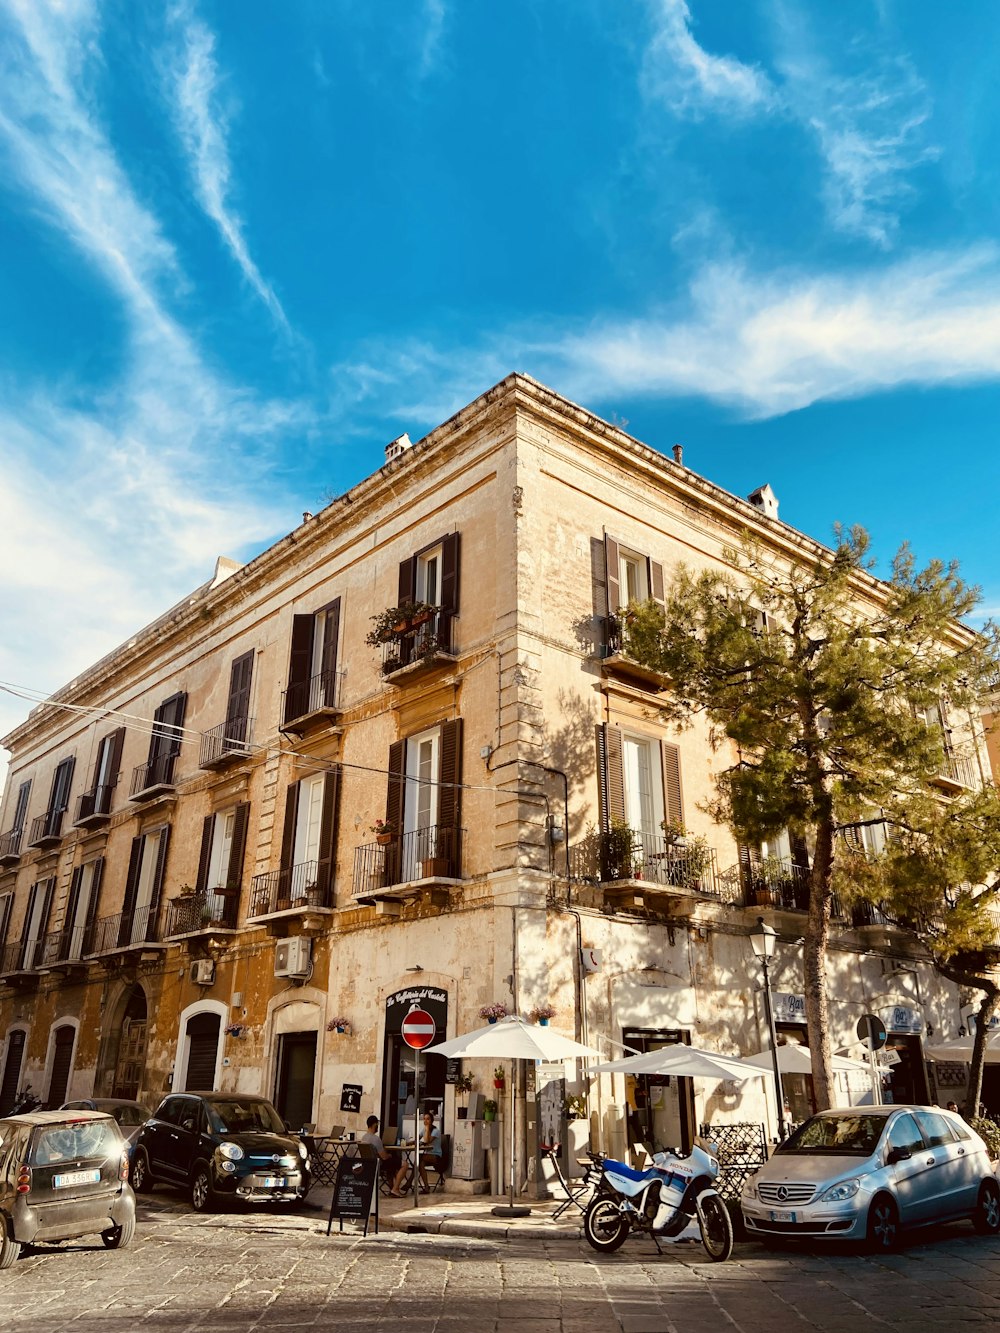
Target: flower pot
[
  {"x": 543, "y": 1022},
  {"x": 462, "y": 1112},
  {"x": 489, "y": 1114},
  {"x": 491, "y": 1020},
  {"x": 341, "y": 1028},
  {"x": 435, "y": 867},
  {"x": 498, "y": 1084},
  {"x": 383, "y": 839}
]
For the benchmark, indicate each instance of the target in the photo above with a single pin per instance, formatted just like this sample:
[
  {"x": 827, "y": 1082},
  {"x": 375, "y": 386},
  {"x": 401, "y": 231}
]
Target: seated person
[
  {"x": 430, "y": 1154},
  {"x": 373, "y": 1140}
]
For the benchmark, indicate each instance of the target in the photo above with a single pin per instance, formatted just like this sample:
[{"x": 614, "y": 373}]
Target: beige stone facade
[{"x": 192, "y": 888}]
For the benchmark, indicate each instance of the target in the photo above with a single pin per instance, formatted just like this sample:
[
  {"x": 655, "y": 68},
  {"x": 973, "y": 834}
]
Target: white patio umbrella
[
  {"x": 960, "y": 1050},
  {"x": 512, "y": 1038},
  {"x": 796, "y": 1059},
  {"x": 684, "y": 1062}
]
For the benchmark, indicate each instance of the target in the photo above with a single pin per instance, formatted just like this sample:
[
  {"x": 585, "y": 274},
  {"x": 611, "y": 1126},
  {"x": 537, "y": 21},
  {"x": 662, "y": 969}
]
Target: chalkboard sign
[
  {"x": 354, "y": 1189},
  {"x": 453, "y": 1069}
]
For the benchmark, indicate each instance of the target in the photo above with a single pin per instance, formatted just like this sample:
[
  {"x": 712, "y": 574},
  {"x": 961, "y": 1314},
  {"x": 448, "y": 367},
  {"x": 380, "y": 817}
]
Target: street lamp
[{"x": 763, "y": 940}]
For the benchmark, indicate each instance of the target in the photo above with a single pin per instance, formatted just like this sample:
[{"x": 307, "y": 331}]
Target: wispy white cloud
[
  {"x": 764, "y": 344},
  {"x": 203, "y": 125},
  {"x": 869, "y": 123},
  {"x": 435, "y": 12},
  {"x": 690, "y": 80}
]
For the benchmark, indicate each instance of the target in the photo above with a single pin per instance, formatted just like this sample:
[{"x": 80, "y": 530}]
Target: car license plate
[
  {"x": 274, "y": 1182},
  {"x": 76, "y": 1178},
  {"x": 782, "y": 1215}
]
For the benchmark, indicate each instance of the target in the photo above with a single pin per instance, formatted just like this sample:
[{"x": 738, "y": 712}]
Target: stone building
[{"x": 248, "y": 821}]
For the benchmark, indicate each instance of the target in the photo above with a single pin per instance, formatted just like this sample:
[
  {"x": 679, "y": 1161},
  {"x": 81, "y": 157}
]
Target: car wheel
[
  {"x": 139, "y": 1174},
  {"x": 986, "y": 1218},
  {"x": 202, "y": 1193},
  {"x": 883, "y": 1224},
  {"x": 119, "y": 1238},
  {"x": 9, "y": 1249}
]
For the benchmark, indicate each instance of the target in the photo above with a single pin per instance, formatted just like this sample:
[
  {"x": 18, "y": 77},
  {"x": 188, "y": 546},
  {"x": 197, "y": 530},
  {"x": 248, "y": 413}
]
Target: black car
[
  {"x": 220, "y": 1146},
  {"x": 63, "y": 1174}
]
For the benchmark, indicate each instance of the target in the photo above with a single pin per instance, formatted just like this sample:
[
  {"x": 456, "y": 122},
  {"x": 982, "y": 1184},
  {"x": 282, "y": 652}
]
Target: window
[
  {"x": 639, "y": 780},
  {"x": 49, "y": 825},
  {"x": 142, "y": 888},
  {"x": 81, "y": 910},
  {"x": 629, "y": 576},
  {"x": 220, "y": 866},
  {"x": 633, "y": 576},
  {"x": 904, "y": 1133},
  {"x": 10, "y": 842},
  {"x": 937, "y": 1130},
  {"x": 97, "y": 801},
  {"x": 424, "y": 802},
  {"x": 431, "y": 576},
  {"x": 6, "y": 903},
  {"x": 308, "y": 842},
  {"x": 164, "y": 745},
  {"x": 312, "y": 667},
  {"x": 428, "y": 572},
  {"x": 35, "y": 924}
]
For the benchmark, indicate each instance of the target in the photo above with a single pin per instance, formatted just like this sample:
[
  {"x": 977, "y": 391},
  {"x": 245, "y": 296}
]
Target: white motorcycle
[{"x": 660, "y": 1201}]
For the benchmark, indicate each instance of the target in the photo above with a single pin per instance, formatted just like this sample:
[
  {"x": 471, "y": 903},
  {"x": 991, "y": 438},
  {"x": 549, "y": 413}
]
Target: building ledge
[
  {"x": 405, "y": 892},
  {"x": 618, "y": 664},
  {"x": 94, "y": 821},
  {"x": 423, "y": 666},
  {"x": 296, "y": 920},
  {"x": 156, "y": 791},
  {"x": 316, "y": 717}
]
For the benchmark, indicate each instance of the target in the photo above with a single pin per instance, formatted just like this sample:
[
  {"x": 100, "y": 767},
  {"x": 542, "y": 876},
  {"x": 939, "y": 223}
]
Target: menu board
[{"x": 354, "y": 1190}]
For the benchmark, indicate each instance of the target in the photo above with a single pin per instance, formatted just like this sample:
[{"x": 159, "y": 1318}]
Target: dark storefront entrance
[
  {"x": 660, "y": 1107},
  {"x": 293, "y": 1094},
  {"x": 399, "y": 1094}
]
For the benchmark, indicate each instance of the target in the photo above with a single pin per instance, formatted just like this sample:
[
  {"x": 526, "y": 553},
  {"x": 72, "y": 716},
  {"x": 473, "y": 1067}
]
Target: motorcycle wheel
[
  {"x": 604, "y": 1226},
  {"x": 716, "y": 1227}
]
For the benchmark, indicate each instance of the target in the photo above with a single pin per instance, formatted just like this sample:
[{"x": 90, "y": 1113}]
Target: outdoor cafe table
[{"x": 325, "y": 1154}]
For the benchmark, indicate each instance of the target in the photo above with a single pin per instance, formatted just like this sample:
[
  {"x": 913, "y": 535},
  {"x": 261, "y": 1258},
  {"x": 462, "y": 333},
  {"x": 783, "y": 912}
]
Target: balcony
[
  {"x": 94, "y": 807},
  {"x": 645, "y": 869},
  {"x": 301, "y": 895},
  {"x": 67, "y": 949},
  {"x": 308, "y": 702},
  {"x": 418, "y": 646},
  {"x": 407, "y": 866},
  {"x": 20, "y": 961},
  {"x": 154, "y": 778},
  {"x": 46, "y": 830},
  {"x": 774, "y": 882},
  {"x": 10, "y": 847},
  {"x": 194, "y": 913},
  {"x": 227, "y": 743},
  {"x": 957, "y": 773},
  {"x": 623, "y": 647},
  {"x": 127, "y": 932}
]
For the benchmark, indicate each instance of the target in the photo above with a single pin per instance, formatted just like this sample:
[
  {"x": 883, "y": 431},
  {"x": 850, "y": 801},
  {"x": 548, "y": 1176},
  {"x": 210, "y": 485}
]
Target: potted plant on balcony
[
  {"x": 541, "y": 1014},
  {"x": 493, "y": 1012},
  {"x": 620, "y": 847},
  {"x": 490, "y": 1108},
  {"x": 500, "y": 1078},
  {"x": 340, "y": 1025},
  {"x": 389, "y": 624},
  {"x": 384, "y": 830},
  {"x": 463, "y": 1086}
]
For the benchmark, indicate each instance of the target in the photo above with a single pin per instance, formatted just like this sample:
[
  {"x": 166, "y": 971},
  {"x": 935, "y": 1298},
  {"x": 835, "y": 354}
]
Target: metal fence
[
  {"x": 741, "y": 1149},
  {"x": 434, "y": 852},
  {"x": 307, "y": 884},
  {"x": 230, "y": 739}
]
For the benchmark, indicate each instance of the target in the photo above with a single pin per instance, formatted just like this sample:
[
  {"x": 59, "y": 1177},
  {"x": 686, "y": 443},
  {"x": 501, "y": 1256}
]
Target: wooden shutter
[
  {"x": 6, "y": 902},
  {"x": 449, "y": 573},
  {"x": 610, "y": 775},
  {"x": 656, "y": 586},
  {"x": 611, "y": 570},
  {"x": 288, "y": 833},
  {"x": 205, "y": 858},
  {"x": 450, "y": 796},
  {"x": 328, "y": 831},
  {"x": 331, "y": 636},
  {"x": 62, "y": 1061},
  {"x": 117, "y": 746},
  {"x": 66, "y": 944},
  {"x": 672, "y": 797},
  {"x": 166, "y": 738},
  {"x": 11, "y": 1071},
  {"x": 21, "y": 809},
  {"x": 238, "y": 850},
  {"x": 299, "y": 667},
  {"x": 95, "y": 898},
  {"x": 397, "y": 785},
  {"x": 61, "y": 783},
  {"x": 161, "y": 865},
  {"x": 407, "y": 589},
  {"x": 132, "y": 878},
  {"x": 240, "y": 680}
]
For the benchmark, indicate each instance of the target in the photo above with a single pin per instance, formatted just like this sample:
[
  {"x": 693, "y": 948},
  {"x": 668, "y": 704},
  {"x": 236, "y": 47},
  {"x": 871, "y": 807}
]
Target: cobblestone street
[{"x": 252, "y": 1271}]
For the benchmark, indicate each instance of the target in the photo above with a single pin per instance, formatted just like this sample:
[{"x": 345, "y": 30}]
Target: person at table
[
  {"x": 430, "y": 1155},
  {"x": 373, "y": 1139}
]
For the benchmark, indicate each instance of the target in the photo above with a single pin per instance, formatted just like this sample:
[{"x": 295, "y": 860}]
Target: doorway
[
  {"x": 130, "y": 1060},
  {"x": 660, "y": 1106},
  {"x": 11, "y": 1071},
  {"x": 62, "y": 1062},
  {"x": 293, "y": 1094},
  {"x": 399, "y": 1098},
  {"x": 907, "y": 1083},
  {"x": 202, "y": 1052}
]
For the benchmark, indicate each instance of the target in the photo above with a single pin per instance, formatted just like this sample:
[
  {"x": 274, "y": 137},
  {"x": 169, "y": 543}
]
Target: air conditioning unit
[
  {"x": 293, "y": 957},
  {"x": 203, "y": 971}
]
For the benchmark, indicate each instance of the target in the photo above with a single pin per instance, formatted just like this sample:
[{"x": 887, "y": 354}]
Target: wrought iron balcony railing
[
  {"x": 10, "y": 844},
  {"x": 434, "y": 852},
  {"x": 229, "y": 740},
  {"x": 201, "y": 911},
  {"x": 420, "y": 641},
  {"x": 125, "y": 930},
  {"x": 631, "y": 854},
  {"x": 94, "y": 804},
  {"x": 303, "y": 697},
  {"x": 961, "y": 769},
  {"x": 307, "y": 884},
  {"x": 46, "y": 828},
  {"x": 23, "y": 955},
  {"x": 773, "y": 881},
  {"x": 71, "y": 945},
  {"x": 156, "y": 772}
]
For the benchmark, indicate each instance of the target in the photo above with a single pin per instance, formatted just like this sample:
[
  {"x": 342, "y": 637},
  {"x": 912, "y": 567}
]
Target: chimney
[
  {"x": 398, "y": 446},
  {"x": 764, "y": 499},
  {"x": 306, "y": 516},
  {"x": 678, "y": 452}
]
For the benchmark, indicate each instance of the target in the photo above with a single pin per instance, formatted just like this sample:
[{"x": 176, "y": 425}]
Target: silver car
[{"x": 865, "y": 1173}]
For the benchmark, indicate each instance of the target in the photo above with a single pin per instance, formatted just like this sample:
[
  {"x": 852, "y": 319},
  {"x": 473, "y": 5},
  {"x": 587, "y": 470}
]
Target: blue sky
[{"x": 247, "y": 243}]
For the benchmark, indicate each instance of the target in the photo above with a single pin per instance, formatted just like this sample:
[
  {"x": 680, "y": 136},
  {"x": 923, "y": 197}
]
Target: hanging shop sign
[
  {"x": 900, "y": 1018},
  {"x": 350, "y": 1096},
  {"x": 788, "y": 1007}
]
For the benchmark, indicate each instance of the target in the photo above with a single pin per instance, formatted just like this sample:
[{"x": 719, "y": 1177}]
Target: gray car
[
  {"x": 63, "y": 1174},
  {"x": 864, "y": 1173},
  {"x": 131, "y": 1116}
]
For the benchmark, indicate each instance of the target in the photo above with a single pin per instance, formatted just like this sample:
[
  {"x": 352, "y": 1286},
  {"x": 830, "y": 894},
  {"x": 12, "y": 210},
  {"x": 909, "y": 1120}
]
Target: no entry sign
[{"x": 418, "y": 1029}]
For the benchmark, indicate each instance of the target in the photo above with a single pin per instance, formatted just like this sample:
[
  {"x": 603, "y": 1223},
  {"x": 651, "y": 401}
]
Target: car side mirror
[{"x": 897, "y": 1155}]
